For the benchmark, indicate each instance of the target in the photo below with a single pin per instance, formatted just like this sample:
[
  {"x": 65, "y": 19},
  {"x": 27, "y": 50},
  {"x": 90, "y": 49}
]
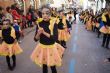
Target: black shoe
[
  {"x": 107, "y": 47},
  {"x": 14, "y": 61},
  {"x": 14, "y": 65},
  {"x": 108, "y": 59},
  {"x": 10, "y": 68},
  {"x": 102, "y": 45}
]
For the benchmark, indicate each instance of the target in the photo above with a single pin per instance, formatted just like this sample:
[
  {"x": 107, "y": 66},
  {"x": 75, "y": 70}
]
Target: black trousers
[
  {"x": 106, "y": 39},
  {"x": 98, "y": 33},
  {"x": 17, "y": 35},
  {"x": 45, "y": 69},
  {"x": 9, "y": 63},
  {"x": 29, "y": 23}
]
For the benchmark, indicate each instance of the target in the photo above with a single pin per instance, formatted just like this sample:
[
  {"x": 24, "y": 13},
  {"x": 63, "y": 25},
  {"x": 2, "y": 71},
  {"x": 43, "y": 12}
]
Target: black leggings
[
  {"x": 8, "y": 61},
  {"x": 106, "y": 39},
  {"x": 45, "y": 69}
]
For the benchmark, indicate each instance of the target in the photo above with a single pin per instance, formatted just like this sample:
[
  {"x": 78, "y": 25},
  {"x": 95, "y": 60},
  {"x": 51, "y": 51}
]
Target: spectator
[
  {"x": 8, "y": 15},
  {"x": 17, "y": 30}
]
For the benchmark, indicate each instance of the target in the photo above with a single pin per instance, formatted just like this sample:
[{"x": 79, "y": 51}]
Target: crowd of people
[
  {"x": 99, "y": 23},
  {"x": 17, "y": 18},
  {"x": 52, "y": 31}
]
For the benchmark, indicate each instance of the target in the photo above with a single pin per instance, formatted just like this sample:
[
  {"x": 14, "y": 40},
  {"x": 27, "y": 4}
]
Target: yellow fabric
[
  {"x": 57, "y": 20},
  {"x": 51, "y": 56},
  {"x": 39, "y": 20},
  {"x": 47, "y": 46},
  {"x": 52, "y": 22},
  {"x": 10, "y": 49},
  {"x": 108, "y": 30},
  {"x": 63, "y": 35},
  {"x": 103, "y": 17},
  {"x": 51, "y": 26},
  {"x": 89, "y": 25},
  {"x": 13, "y": 33}
]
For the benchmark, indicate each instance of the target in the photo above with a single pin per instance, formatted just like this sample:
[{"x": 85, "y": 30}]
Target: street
[{"x": 83, "y": 55}]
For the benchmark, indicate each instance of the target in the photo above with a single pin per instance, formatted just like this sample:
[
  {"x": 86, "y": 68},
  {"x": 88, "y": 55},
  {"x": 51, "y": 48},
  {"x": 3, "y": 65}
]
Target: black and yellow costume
[
  {"x": 63, "y": 33},
  {"x": 9, "y": 47},
  {"x": 106, "y": 37},
  {"x": 48, "y": 52}
]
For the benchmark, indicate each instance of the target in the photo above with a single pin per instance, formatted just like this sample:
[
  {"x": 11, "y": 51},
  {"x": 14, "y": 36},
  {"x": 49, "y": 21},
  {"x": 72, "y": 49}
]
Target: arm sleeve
[
  {"x": 13, "y": 33},
  {"x": 36, "y": 34},
  {"x": 16, "y": 14},
  {"x": 55, "y": 33}
]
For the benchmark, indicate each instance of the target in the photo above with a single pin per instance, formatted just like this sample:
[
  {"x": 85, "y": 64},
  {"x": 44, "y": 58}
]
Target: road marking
[
  {"x": 75, "y": 38},
  {"x": 72, "y": 66},
  {"x": 74, "y": 48}
]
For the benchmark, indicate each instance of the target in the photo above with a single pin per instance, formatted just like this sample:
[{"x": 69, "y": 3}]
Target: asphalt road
[{"x": 83, "y": 55}]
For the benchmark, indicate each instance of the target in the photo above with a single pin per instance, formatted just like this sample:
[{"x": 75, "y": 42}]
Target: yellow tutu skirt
[
  {"x": 63, "y": 35},
  {"x": 50, "y": 55},
  {"x": 10, "y": 49},
  {"x": 89, "y": 25},
  {"x": 108, "y": 30}
]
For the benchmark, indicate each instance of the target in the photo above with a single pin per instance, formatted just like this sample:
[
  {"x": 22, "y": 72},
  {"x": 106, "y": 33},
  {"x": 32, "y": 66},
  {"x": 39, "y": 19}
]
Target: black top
[
  {"x": 108, "y": 20},
  {"x": 6, "y": 34},
  {"x": 44, "y": 39},
  {"x": 61, "y": 25}
]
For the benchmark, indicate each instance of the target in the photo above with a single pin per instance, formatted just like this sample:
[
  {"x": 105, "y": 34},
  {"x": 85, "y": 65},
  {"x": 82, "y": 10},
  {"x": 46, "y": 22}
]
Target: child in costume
[
  {"x": 48, "y": 53},
  {"x": 63, "y": 29},
  {"x": 9, "y": 46}
]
